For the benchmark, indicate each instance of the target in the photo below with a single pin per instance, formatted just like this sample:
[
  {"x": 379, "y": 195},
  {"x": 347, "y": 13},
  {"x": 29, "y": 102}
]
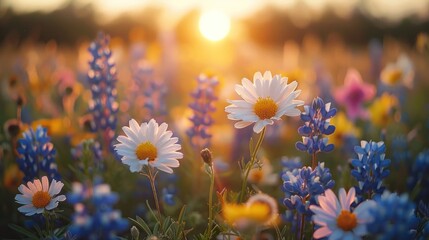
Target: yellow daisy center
[
  {"x": 346, "y": 220},
  {"x": 146, "y": 150},
  {"x": 265, "y": 108},
  {"x": 41, "y": 199}
]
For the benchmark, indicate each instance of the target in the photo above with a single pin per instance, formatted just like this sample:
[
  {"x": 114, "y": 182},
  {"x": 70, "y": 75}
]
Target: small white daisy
[
  {"x": 39, "y": 195},
  {"x": 335, "y": 219},
  {"x": 148, "y": 143},
  {"x": 266, "y": 99}
]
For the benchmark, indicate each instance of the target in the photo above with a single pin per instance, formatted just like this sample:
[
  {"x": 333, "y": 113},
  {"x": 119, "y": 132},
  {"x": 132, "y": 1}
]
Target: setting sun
[{"x": 214, "y": 25}]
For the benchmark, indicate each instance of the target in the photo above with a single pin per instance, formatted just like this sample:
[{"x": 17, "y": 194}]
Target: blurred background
[{"x": 44, "y": 58}]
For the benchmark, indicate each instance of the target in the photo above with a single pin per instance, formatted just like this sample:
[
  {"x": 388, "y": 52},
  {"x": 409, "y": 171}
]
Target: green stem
[
  {"x": 251, "y": 163},
  {"x": 155, "y": 195},
  {"x": 301, "y": 232},
  {"x": 211, "y": 201}
]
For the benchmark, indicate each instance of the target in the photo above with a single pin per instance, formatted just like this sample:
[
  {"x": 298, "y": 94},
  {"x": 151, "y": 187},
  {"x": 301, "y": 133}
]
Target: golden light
[{"x": 214, "y": 25}]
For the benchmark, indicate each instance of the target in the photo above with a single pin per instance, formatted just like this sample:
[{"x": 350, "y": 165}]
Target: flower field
[{"x": 127, "y": 139}]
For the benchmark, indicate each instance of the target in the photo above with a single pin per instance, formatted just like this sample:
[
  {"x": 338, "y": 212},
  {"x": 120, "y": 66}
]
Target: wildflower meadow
[{"x": 119, "y": 137}]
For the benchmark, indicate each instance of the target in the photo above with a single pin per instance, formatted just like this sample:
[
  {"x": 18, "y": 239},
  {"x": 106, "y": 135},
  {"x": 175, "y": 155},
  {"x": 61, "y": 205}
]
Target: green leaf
[{"x": 24, "y": 231}]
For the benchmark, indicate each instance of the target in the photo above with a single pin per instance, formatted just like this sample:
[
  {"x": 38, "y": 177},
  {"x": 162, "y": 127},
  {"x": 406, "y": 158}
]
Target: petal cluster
[
  {"x": 354, "y": 93},
  {"x": 267, "y": 99},
  {"x": 151, "y": 134},
  {"x": 30, "y": 192}
]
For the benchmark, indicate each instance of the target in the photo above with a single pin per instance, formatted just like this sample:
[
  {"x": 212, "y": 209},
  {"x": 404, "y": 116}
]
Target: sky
[{"x": 387, "y": 9}]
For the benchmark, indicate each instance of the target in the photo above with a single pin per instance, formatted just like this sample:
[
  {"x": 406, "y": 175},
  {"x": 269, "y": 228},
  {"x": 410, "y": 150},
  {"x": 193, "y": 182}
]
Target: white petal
[
  {"x": 322, "y": 232},
  {"x": 25, "y": 190},
  {"x": 45, "y": 184},
  {"x": 52, "y": 204},
  {"x": 38, "y": 185},
  {"x": 134, "y": 125},
  {"x": 164, "y": 168},
  {"x": 55, "y": 187},
  {"x": 259, "y": 126},
  {"x": 32, "y": 187},
  {"x": 242, "y": 124},
  {"x": 21, "y": 199}
]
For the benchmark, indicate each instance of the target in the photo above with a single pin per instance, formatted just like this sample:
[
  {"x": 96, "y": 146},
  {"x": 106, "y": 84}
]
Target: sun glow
[{"x": 214, "y": 25}]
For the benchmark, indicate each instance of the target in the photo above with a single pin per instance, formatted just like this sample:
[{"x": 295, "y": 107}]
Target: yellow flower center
[
  {"x": 41, "y": 199},
  {"x": 346, "y": 220},
  {"x": 146, "y": 150},
  {"x": 265, "y": 108}
]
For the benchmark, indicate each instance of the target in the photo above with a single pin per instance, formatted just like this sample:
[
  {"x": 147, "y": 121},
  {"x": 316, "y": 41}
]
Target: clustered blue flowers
[
  {"x": 203, "y": 104},
  {"x": 153, "y": 92},
  {"x": 37, "y": 153},
  {"x": 102, "y": 78},
  {"x": 393, "y": 217},
  {"x": 316, "y": 125},
  {"x": 302, "y": 185},
  {"x": 419, "y": 176},
  {"x": 94, "y": 216},
  {"x": 370, "y": 168},
  {"x": 94, "y": 149}
]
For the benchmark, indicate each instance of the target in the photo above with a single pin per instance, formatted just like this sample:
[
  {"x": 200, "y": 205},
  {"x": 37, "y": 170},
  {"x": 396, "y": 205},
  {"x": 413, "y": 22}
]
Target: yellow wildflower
[
  {"x": 343, "y": 128},
  {"x": 381, "y": 110},
  {"x": 12, "y": 177}
]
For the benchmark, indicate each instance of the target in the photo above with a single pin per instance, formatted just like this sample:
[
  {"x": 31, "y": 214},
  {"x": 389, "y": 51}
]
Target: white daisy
[
  {"x": 266, "y": 99},
  {"x": 335, "y": 219},
  {"x": 39, "y": 195},
  {"x": 271, "y": 203},
  {"x": 148, "y": 143}
]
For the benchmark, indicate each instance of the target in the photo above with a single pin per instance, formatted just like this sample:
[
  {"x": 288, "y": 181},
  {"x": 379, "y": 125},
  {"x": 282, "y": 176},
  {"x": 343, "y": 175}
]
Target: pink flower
[{"x": 353, "y": 94}]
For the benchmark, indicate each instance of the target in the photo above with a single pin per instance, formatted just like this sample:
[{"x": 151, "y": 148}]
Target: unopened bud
[
  {"x": 12, "y": 128},
  {"x": 153, "y": 237},
  {"x": 135, "y": 233},
  {"x": 20, "y": 101},
  {"x": 207, "y": 156}
]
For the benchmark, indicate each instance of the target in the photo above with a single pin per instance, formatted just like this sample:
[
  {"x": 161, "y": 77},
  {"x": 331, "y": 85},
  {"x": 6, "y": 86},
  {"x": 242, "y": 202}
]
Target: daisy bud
[
  {"x": 206, "y": 155},
  {"x": 135, "y": 233},
  {"x": 12, "y": 128},
  {"x": 20, "y": 100}
]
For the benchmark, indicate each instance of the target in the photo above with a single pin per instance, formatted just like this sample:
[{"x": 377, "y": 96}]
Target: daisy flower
[
  {"x": 39, "y": 195},
  {"x": 148, "y": 144},
  {"x": 335, "y": 218},
  {"x": 265, "y": 100}
]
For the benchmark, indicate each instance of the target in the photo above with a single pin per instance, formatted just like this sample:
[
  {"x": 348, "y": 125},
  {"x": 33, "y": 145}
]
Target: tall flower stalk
[
  {"x": 102, "y": 79},
  {"x": 316, "y": 126},
  {"x": 37, "y": 154},
  {"x": 203, "y": 104}
]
